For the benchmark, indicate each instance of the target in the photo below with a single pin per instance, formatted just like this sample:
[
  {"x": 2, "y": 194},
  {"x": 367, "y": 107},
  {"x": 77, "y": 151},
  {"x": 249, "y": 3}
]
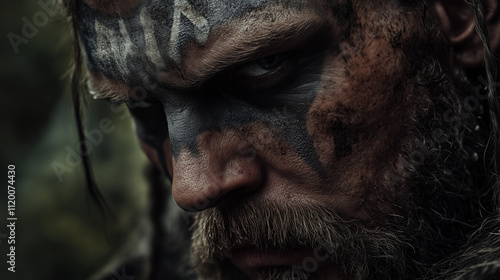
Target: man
[{"x": 326, "y": 139}]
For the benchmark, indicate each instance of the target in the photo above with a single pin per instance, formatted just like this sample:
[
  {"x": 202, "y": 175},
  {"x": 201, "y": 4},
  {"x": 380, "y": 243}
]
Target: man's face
[{"x": 291, "y": 127}]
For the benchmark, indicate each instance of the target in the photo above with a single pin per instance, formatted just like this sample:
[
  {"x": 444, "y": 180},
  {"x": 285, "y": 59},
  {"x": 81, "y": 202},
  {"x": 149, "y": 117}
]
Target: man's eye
[
  {"x": 265, "y": 73},
  {"x": 262, "y": 66}
]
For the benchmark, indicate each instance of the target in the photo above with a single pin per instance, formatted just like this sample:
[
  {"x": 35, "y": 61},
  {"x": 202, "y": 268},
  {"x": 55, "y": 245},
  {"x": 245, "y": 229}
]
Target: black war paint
[
  {"x": 152, "y": 35},
  {"x": 135, "y": 47},
  {"x": 283, "y": 110}
]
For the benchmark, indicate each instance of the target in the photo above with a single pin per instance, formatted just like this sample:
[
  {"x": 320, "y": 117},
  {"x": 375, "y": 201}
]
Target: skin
[
  {"x": 275, "y": 103},
  {"x": 303, "y": 142}
]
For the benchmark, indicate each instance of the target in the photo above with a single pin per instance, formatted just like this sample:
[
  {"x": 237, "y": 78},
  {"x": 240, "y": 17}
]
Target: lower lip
[{"x": 252, "y": 258}]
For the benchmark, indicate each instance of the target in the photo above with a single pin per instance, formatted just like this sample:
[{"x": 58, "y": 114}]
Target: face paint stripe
[
  {"x": 152, "y": 50},
  {"x": 221, "y": 112},
  {"x": 180, "y": 23},
  {"x": 160, "y": 29},
  {"x": 128, "y": 50},
  {"x": 201, "y": 28}
]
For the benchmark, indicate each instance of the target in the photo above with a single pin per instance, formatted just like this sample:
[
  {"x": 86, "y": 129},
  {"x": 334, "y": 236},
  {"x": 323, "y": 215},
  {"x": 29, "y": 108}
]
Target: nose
[{"x": 222, "y": 171}]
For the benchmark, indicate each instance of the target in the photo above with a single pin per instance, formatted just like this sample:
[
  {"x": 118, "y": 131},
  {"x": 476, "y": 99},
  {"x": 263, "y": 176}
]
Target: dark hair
[
  {"x": 78, "y": 100},
  {"x": 493, "y": 98}
]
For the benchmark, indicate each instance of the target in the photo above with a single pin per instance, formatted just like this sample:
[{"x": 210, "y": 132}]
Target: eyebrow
[{"x": 222, "y": 52}]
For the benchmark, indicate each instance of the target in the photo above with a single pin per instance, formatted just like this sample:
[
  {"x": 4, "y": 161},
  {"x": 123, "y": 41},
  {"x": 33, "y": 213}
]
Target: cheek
[
  {"x": 162, "y": 158},
  {"x": 359, "y": 122}
]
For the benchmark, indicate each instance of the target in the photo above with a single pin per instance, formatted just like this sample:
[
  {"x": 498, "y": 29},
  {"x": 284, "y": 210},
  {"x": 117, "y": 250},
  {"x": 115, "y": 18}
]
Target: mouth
[{"x": 247, "y": 257}]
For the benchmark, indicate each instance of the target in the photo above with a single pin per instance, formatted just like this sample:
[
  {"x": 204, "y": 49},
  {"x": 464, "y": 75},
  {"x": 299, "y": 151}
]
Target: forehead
[
  {"x": 169, "y": 23},
  {"x": 133, "y": 41}
]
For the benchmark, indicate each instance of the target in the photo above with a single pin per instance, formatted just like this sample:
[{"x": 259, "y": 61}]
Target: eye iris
[{"x": 270, "y": 62}]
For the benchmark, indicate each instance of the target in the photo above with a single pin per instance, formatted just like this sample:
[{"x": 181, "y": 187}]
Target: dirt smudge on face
[{"x": 345, "y": 136}]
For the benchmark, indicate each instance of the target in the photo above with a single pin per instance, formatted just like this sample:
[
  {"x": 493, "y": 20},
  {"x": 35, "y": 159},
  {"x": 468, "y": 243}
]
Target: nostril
[{"x": 234, "y": 197}]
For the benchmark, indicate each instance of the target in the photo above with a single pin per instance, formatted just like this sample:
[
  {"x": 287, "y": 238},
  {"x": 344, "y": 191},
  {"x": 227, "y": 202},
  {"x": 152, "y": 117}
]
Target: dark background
[{"x": 59, "y": 233}]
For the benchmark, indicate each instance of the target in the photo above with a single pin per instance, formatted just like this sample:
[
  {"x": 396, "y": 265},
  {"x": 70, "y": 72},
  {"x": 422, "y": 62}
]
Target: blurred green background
[{"x": 59, "y": 234}]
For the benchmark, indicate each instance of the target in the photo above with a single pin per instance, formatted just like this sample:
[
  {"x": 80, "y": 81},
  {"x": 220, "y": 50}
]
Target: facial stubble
[{"x": 403, "y": 246}]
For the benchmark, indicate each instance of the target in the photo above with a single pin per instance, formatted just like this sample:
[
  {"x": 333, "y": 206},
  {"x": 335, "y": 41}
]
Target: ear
[{"x": 457, "y": 21}]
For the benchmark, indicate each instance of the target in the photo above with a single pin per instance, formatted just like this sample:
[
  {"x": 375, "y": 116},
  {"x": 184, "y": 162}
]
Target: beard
[
  {"x": 439, "y": 161},
  {"x": 359, "y": 250}
]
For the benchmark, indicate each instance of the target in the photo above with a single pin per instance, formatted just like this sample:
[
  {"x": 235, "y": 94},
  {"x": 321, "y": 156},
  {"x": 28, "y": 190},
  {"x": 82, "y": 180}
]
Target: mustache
[{"x": 360, "y": 249}]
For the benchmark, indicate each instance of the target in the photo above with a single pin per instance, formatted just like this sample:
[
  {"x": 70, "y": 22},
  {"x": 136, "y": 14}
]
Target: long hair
[{"x": 78, "y": 100}]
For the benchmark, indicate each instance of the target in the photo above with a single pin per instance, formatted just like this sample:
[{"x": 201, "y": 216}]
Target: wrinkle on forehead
[
  {"x": 149, "y": 38},
  {"x": 250, "y": 38},
  {"x": 152, "y": 36}
]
